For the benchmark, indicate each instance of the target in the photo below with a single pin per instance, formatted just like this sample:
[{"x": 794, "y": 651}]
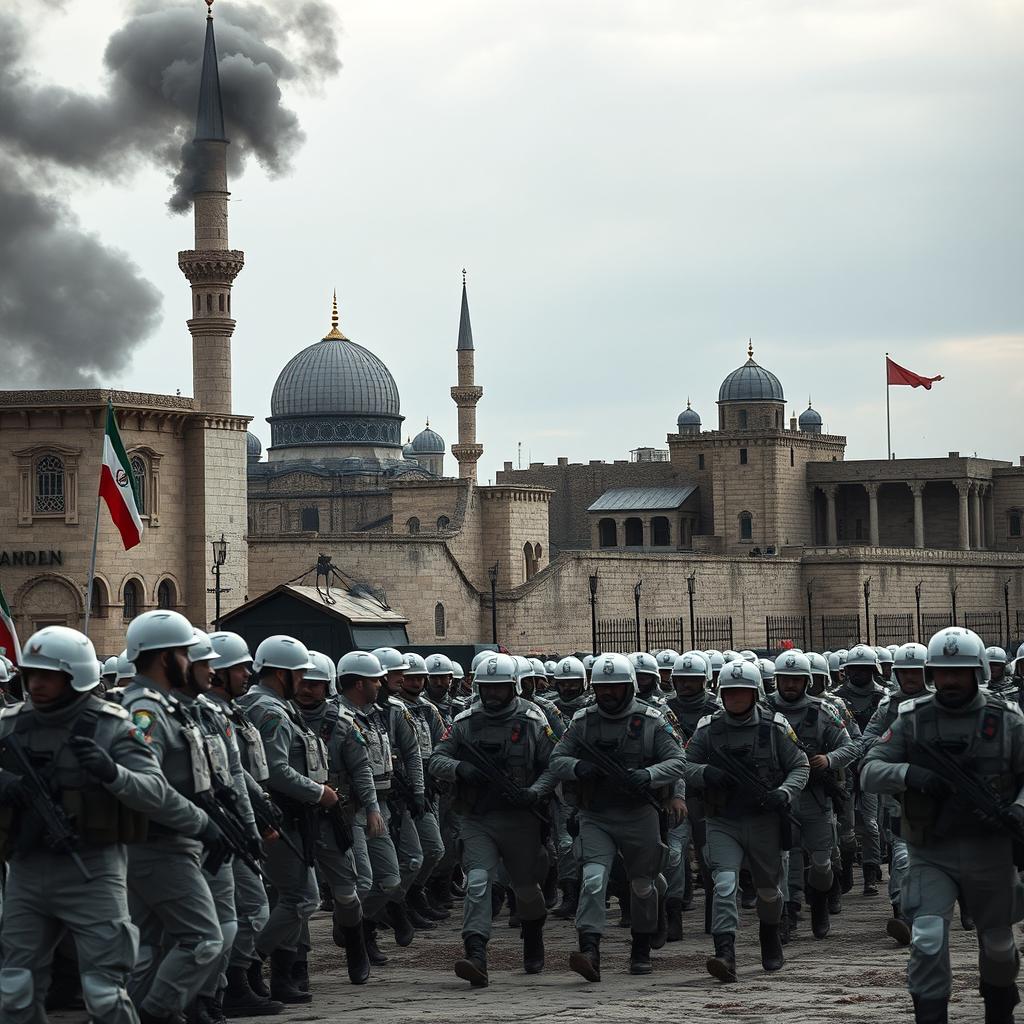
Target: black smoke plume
[{"x": 66, "y": 300}]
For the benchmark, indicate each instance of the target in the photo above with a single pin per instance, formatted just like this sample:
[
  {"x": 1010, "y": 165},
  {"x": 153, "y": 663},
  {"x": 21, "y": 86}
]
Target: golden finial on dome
[
  {"x": 750, "y": 349},
  {"x": 334, "y": 333},
  {"x": 209, "y": 10}
]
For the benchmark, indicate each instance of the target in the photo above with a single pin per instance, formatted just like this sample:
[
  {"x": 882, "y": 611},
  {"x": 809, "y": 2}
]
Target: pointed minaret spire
[
  {"x": 465, "y": 395},
  {"x": 210, "y": 115}
]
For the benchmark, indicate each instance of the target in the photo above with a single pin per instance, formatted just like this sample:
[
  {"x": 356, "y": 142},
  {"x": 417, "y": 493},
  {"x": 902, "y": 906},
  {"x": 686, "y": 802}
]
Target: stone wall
[{"x": 511, "y": 518}]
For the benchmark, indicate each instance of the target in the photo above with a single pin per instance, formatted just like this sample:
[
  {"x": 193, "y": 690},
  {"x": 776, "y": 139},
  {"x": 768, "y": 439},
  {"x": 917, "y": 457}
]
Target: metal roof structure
[{"x": 637, "y": 499}]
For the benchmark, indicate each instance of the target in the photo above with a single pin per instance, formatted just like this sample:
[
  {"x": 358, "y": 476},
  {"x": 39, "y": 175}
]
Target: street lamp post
[
  {"x": 691, "y": 586},
  {"x": 636, "y": 601},
  {"x": 917, "y": 601},
  {"x": 1006, "y": 602},
  {"x": 952, "y": 594},
  {"x": 867, "y": 609},
  {"x": 593, "y": 614},
  {"x": 220, "y": 556},
  {"x": 492, "y": 574},
  {"x": 810, "y": 615}
]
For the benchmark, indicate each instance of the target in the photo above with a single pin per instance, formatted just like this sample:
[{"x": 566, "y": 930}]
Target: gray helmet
[
  {"x": 524, "y": 670},
  {"x": 496, "y": 669},
  {"x": 995, "y": 656},
  {"x": 284, "y": 652},
  {"x": 729, "y": 656},
  {"x": 910, "y": 656},
  {"x": 158, "y": 630},
  {"x": 109, "y": 667},
  {"x": 588, "y": 662},
  {"x": 415, "y": 665},
  {"x": 767, "y": 667},
  {"x": 125, "y": 669},
  {"x": 667, "y": 658},
  {"x": 692, "y": 663},
  {"x": 892, "y": 649},
  {"x": 862, "y": 655},
  {"x": 539, "y": 669},
  {"x": 457, "y": 671},
  {"x": 5, "y": 676},
  {"x": 613, "y": 668},
  {"x": 479, "y": 657},
  {"x": 748, "y": 656},
  {"x": 61, "y": 649},
  {"x": 440, "y": 665},
  {"x": 717, "y": 660},
  {"x": 202, "y": 650},
  {"x": 884, "y": 655},
  {"x": 836, "y": 661},
  {"x": 231, "y": 650},
  {"x": 390, "y": 660},
  {"x": 790, "y": 664},
  {"x": 645, "y": 664},
  {"x": 739, "y": 675},
  {"x": 322, "y": 670},
  {"x": 570, "y": 668},
  {"x": 549, "y": 669},
  {"x": 362, "y": 664},
  {"x": 819, "y": 664},
  {"x": 958, "y": 648}
]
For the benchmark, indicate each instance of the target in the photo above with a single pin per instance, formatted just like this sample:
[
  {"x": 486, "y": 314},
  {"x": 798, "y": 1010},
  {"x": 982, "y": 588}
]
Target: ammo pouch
[
  {"x": 101, "y": 819},
  {"x": 301, "y": 820}
]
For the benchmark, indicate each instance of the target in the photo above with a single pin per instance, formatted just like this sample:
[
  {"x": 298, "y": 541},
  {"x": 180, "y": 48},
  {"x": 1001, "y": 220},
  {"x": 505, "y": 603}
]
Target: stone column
[
  {"x": 963, "y": 488},
  {"x": 917, "y": 490},
  {"x": 831, "y": 529},
  {"x": 976, "y": 516},
  {"x": 872, "y": 490},
  {"x": 990, "y": 518}
]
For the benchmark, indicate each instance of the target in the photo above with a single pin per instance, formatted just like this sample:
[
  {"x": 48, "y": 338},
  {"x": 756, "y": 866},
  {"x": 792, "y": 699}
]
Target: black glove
[
  {"x": 776, "y": 799},
  {"x": 12, "y": 792},
  {"x": 254, "y": 845},
  {"x": 640, "y": 778},
  {"x": 586, "y": 770},
  {"x": 1016, "y": 812},
  {"x": 214, "y": 842},
  {"x": 524, "y": 798},
  {"x": 419, "y": 805},
  {"x": 924, "y": 780},
  {"x": 715, "y": 778},
  {"x": 471, "y": 774},
  {"x": 93, "y": 758}
]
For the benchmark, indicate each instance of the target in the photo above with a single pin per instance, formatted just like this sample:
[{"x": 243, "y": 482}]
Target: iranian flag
[
  {"x": 8, "y": 634},
  {"x": 117, "y": 486}
]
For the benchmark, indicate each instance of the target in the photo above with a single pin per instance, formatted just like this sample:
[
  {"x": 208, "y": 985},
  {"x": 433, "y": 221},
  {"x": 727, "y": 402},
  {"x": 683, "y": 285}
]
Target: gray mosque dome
[
  {"x": 810, "y": 420},
  {"x": 689, "y": 420},
  {"x": 335, "y": 392},
  {"x": 427, "y": 442},
  {"x": 751, "y": 383},
  {"x": 253, "y": 446}
]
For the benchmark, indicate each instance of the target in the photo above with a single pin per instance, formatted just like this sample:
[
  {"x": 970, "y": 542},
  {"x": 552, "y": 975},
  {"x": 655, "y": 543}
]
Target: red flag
[{"x": 896, "y": 374}]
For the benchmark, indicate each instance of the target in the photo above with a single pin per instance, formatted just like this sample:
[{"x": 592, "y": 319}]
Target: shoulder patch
[
  {"x": 535, "y": 713},
  {"x": 783, "y": 723},
  {"x": 114, "y": 709},
  {"x": 706, "y": 720},
  {"x": 582, "y": 713},
  {"x": 907, "y": 706},
  {"x": 143, "y": 720},
  {"x": 652, "y": 712},
  {"x": 463, "y": 715},
  {"x": 14, "y": 709}
]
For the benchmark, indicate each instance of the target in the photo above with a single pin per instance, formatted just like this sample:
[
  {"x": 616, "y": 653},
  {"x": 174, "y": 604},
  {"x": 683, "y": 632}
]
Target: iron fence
[
  {"x": 932, "y": 622},
  {"x": 714, "y": 632},
  {"x": 988, "y": 625},
  {"x": 616, "y": 635},
  {"x": 780, "y": 629},
  {"x": 839, "y": 631},
  {"x": 660, "y": 633},
  {"x": 894, "y": 628}
]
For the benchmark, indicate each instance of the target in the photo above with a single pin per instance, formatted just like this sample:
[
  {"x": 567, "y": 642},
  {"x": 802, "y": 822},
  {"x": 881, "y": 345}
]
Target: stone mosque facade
[{"x": 755, "y": 518}]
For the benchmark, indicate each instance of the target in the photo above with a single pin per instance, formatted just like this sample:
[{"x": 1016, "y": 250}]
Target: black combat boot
[
  {"x": 723, "y": 964},
  {"x": 497, "y": 900},
  {"x": 819, "y": 912},
  {"x": 416, "y": 901},
  {"x": 566, "y": 910},
  {"x": 792, "y": 911},
  {"x": 404, "y": 929},
  {"x": 640, "y": 954},
  {"x": 254, "y": 975},
  {"x": 687, "y": 884},
  {"x": 282, "y": 987},
  {"x": 930, "y": 1011},
  {"x": 326, "y": 898},
  {"x": 533, "y": 946},
  {"x": 202, "y": 1012},
  {"x": 674, "y": 917},
  {"x": 847, "y": 872},
  {"x": 473, "y": 967},
  {"x": 351, "y": 939},
  {"x": 660, "y": 935},
  {"x": 587, "y": 962},
  {"x": 897, "y": 927},
  {"x": 373, "y": 952},
  {"x": 514, "y": 920},
  {"x": 772, "y": 957},
  {"x": 872, "y": 873},
  {"x": 300, "y": 972},
  {"x": 551, "y": 887},
  {"x": 966, "y": 921},
  {"x": 835, "y": 895},
  {"x": 999, "y": 1002},
  {"x": 437, "y": 900},
  {"x": 784, "y": 928},
  {"x": 241, "y": 1001}
]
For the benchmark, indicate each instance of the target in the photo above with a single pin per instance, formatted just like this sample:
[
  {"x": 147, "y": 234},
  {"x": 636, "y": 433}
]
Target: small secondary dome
[
  {"x": 810, "y": 420},
  {"x": 253, "y": 446},
  {"x": 427, "y": 442},
  {"x": 689, "y": 420},
  {"x": 751, "y": 383}
]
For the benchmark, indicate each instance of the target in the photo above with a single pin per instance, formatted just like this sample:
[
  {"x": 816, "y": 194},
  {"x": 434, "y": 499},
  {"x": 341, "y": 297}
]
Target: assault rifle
[
  {"x": 270, "y": 819},
  {"x": 617, "y": 773},
  {"x": 61, "y": 836},
  {"x": 749, "y": 780},
  {"x": 340, "y": 826},
  {"x": 504, "y": 786},
  {"x": 826, "y": 778},
  {"x": 222, "y": 809}
]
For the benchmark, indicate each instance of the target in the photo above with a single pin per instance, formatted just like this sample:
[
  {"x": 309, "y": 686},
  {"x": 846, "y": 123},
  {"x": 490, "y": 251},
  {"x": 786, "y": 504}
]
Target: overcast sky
[{"x": 635, "y": 189}]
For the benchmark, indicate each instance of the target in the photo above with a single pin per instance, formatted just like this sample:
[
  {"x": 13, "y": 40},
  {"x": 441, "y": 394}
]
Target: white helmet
[
  {"x": 61, "y": 649},
  {"x": 818, "y": 662},
  {"x": 667, "y": 658},
  {"x": 717, "y": 661},
  {"x": 570, "y": 668},
  {"x": 728, "y": 656},
  {"x": 645, "y": 664},
  {"x": 910, "y": 656},
  {"x": 995, "y": 655},
  {"x": 322, "y": 672},
  {"x": 457, "y": 670},
  {"x": 109, "y": 666},
  {"x": 612, "y": 668},
  {"x": 362, "y": 664},
  {"x": 231, "y": 650},
  {"x": 125, "y": 668},
  {"x": 884, "y": 655},
  {"x": 539, "y": 671},
  {"x": 440, "y": 665},
  {"x": 202, "y": 649},
  {"x": 892, "y": 649},
  {"x": 739, "y": 675},
  {"x": 767, "y": 667},
  {"x": 958, "y": 648},
  {"x": 692, "y": 663},
  {"x": 862, "y": 655},
  {"x": 158, "y": 630},
  {"x": 524, "y": 669},
  {"x": 284, "y": 652},
  {"x": 415, "y": 665},
  {"x": 790, "y": 664},
  {"x": 497, "y": 668},
  {"x": 390, "y": 659},
  {"x": 748, "y": 656},
  {"x": 836, "y": 661},
  {"x": 588, "y": 662},
  {"x": 479, "y": 657},
  {"x": 549, "y": 669}
]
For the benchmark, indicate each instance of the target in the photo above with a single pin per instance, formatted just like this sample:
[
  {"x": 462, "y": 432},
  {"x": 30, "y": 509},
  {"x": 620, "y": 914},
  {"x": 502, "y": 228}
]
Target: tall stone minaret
[
  {"x": 211, "y": 266},
  {"x": 465, "y": 395}
]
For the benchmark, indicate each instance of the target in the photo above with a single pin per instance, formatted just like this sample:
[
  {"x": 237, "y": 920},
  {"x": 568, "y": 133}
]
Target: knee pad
[
  {"x": 593, "y": 878},
  {"x": 229, "y": 929},
  {"x": 101, "y": 994},
  {"x": 206, "y": 952},
  {"x": 642, "y": 888},
  {"x": 822, "y": 859},
  {"x": 768, "y": 895},
  {"x": 16, "y": 988},
  {"x": 476, "y": 883},
  {"x": 928, "y": 934},
  {"x": 725, "y": 883}
]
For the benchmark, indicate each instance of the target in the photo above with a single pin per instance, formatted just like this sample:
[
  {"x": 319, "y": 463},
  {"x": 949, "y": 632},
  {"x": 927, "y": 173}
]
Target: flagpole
[
  {"x": 888, "y": 421},
  {"x": 95, "y": 541}
]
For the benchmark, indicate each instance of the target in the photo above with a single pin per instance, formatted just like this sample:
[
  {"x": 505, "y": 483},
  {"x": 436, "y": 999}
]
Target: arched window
[
  {"x": 132, "y": 599},
  {"x": 530, "y": 563},
  {"x": 199, "y": 304},
  {"x": 310, "y": 520},
  {"x": 660, "y": 532},
  {"x": 413, "y": 525},
  {"x": 138, "y": 465},
  {"x": 607, "y": 534},
  {"x": 165, "y": 596},
  {"x": 537, "y": 552},
  {"x": 98, "y": 599},
  {"x": 746, "y": 526},
  {"x": 439, "y": 624},
  {"x": 209, "y": 302},
  {"x": 743, "y": 419},
  {"x": 443, "y": 522},
  {"x": 220, "y": 302},
  {"x": 634, "y": 527},
  {"x": 778, "y": 420},
  {"x": 50, "y": 484},
  {"x": 792, "y": 457}
]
